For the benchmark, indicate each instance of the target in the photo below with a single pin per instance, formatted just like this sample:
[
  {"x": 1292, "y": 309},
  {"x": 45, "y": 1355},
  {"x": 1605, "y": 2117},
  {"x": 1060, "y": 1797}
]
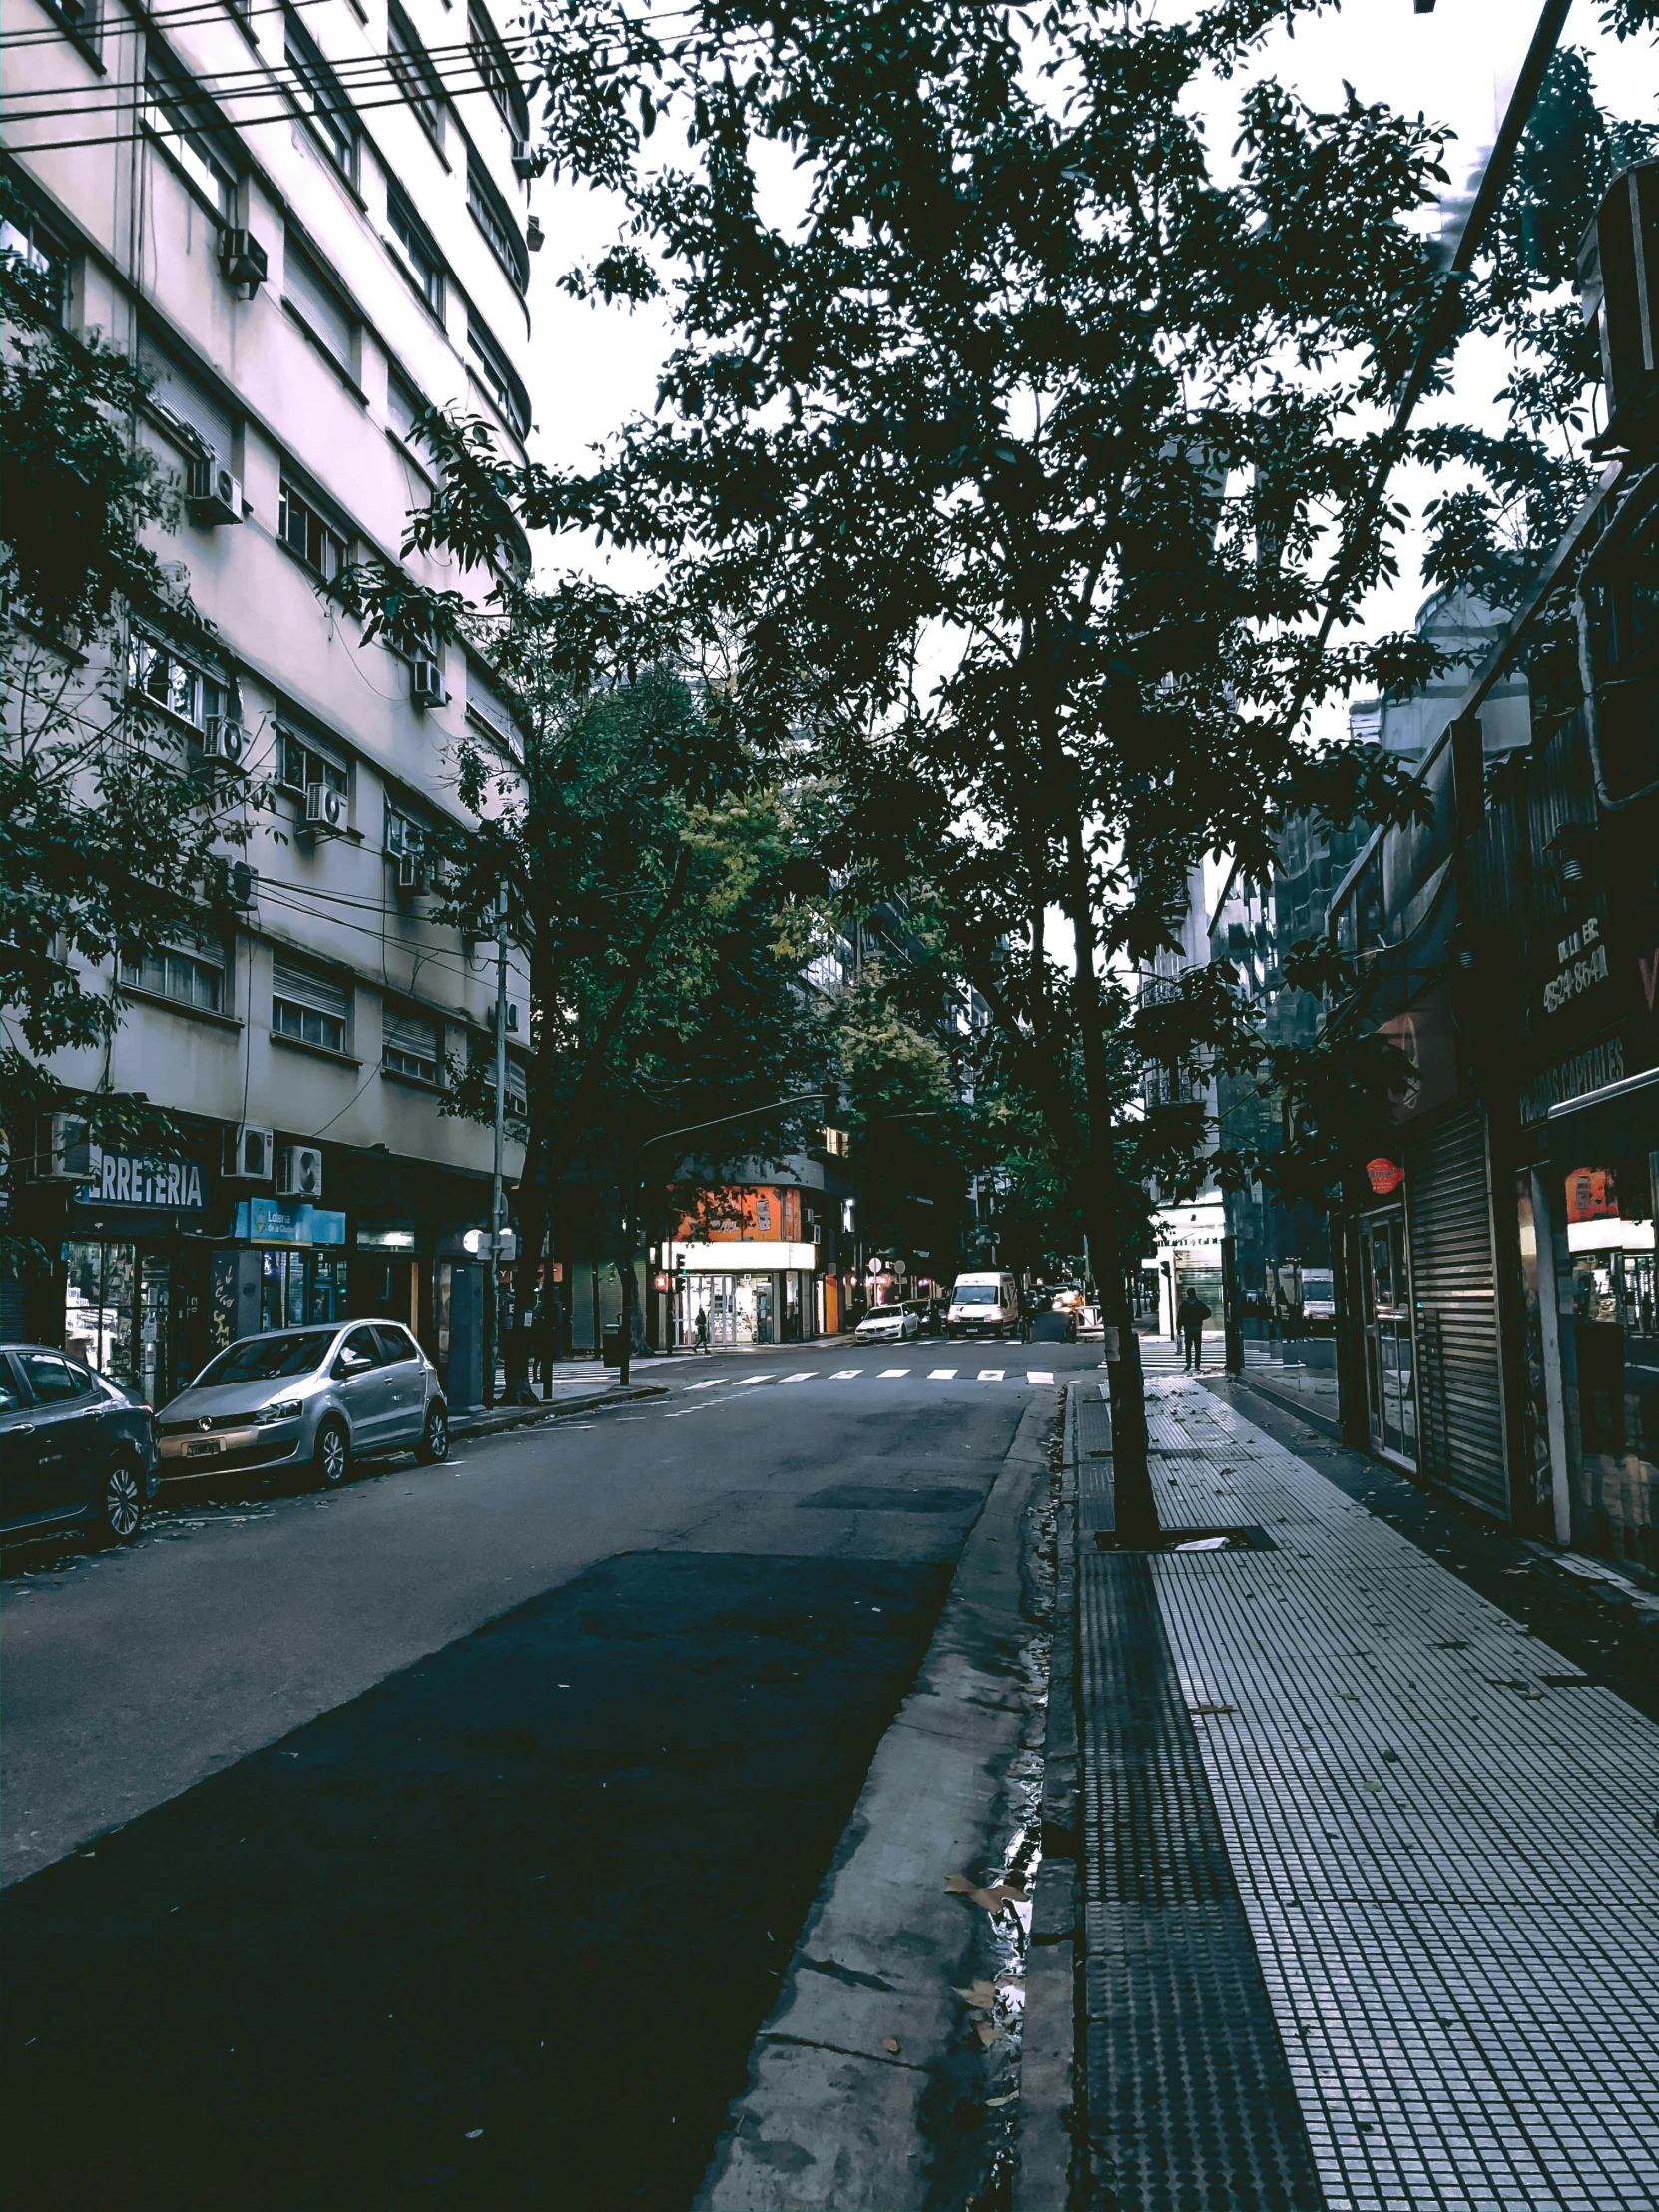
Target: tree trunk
[{"x": 1136, "y": 1512}]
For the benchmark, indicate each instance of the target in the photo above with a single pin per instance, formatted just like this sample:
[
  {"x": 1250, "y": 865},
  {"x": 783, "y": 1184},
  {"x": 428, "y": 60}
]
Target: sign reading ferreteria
[{"x": 147, "y": 1178}]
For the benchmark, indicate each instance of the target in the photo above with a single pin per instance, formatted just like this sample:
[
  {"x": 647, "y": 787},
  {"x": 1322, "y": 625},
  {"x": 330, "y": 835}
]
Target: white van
[{"x": 983, "y": 1306}]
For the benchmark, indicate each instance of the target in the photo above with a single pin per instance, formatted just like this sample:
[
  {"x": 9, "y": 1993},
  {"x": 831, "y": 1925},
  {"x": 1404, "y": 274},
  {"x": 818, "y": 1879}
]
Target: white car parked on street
[{"x": 888, "y": 1325}]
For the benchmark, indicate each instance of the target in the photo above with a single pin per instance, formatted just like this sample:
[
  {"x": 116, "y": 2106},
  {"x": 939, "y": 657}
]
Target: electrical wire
[
  {"x": 192, "y": 11},
  {"x": 370, "y": 73}
]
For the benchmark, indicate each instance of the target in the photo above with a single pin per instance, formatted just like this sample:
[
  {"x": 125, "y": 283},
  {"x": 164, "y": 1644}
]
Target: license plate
[{"x": 207, "y": 1448}]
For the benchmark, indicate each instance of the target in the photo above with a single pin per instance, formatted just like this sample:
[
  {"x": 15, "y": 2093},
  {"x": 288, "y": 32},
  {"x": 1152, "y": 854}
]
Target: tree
[
  {"x": 651, "y": 844},
  {"x": 112, "y": 842},
  {"x": 1019, "y": 447}
]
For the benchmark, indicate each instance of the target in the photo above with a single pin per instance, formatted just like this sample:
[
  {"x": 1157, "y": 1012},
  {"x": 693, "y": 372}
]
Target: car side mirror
[{"x": 352, "y": 1362}]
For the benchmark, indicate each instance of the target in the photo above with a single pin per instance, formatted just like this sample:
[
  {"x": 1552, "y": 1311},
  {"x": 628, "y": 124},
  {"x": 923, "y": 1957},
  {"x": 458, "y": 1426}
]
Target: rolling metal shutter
[{"x": 1455, "y": 1305}]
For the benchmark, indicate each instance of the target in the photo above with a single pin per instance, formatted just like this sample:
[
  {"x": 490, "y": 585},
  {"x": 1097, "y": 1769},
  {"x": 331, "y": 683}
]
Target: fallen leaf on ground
[
  {"x": 996, "y": 2103},
  {"x": 990, "y": 2035},
  {"x": 982, "y": 1996},
  {"x": 890, "y": 2042},
  {"x": 1003, "y": 1892}
]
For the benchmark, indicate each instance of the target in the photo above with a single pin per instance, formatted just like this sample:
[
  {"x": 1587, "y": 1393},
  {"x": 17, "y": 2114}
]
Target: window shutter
[
  {"x": 409, "y": 1033},
  {"x": 318, "y": 303},
  {"x": 306, "y": 989}
]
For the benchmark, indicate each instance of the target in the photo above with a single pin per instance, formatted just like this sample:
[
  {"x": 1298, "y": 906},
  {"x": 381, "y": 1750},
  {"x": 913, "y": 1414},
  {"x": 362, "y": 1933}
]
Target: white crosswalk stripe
[
  {"x": 845, "y": 1375},
  {"x": 712, "y": 1384},
  {"x": 940, "y": 1375},
  {"x": 806, "y": 1376},
  {"x": 992, "y": 1374},
  {"x": 1039, "y": 1375},
  {"x": 887, "y": 1372},
  {"x": 747, "y": 1379}
]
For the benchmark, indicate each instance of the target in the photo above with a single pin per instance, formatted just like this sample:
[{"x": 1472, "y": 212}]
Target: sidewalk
[{"x": 1369, "y": 1873}]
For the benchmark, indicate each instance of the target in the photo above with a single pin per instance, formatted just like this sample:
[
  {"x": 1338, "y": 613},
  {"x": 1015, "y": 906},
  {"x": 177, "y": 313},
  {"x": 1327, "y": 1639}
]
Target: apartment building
[{"x": 308, "y": 221}]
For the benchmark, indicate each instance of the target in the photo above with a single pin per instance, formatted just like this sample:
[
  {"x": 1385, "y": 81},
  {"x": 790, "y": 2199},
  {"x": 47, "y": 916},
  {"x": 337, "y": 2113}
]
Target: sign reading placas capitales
[{"x": 143, "y": 1179}]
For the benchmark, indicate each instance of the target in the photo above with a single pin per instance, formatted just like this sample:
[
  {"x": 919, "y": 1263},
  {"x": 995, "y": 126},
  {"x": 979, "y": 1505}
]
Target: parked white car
[{"x": 888, "y": 1325}]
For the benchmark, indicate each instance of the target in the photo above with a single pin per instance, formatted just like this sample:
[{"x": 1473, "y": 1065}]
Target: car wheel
[
  {"x": 333, "y": 1455},
  {"x": 121, "y": 1506},
  {"x": 434, "y": 1447}
]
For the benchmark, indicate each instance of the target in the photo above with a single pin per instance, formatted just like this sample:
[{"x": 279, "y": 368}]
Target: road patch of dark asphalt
[{"x": 498, "y": 1932}]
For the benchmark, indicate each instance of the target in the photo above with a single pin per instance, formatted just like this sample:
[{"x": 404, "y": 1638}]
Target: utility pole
[{"x": 492, "y": 1333}]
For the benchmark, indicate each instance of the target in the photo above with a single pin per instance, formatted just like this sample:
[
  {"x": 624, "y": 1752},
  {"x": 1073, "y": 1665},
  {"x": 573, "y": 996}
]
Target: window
[
  {"x": 483, "y": 1054},
  {"x": 187, "y": 130},
  {"x": 320, "y": 306},
  {"x": 404, "y": 407},
  {"x": 416, "y": 251},
  {"x": 190, "y": 978},
  {"x": 496, "y": 376},
  {"x": 395, "y": 1343},
  {"x": 405, "y": 838},
  {"x": 166, "y": 679},
  {"x": 489, "y": 211},
  {"x": 410, "y": 1046},
  {"x": 417, "y": 79},
  {"x": 496, "y": 72},
  {"x": 51, "y": 1377},
  {"x": 302, "y": 528},
  {"x": 317, "y": 91},
  {"x": 21, "y": 239},
  {"x": 300, "y": 764},
  {"x": 307, "y": 1008},
  {"x": 359, "y": 1354}
]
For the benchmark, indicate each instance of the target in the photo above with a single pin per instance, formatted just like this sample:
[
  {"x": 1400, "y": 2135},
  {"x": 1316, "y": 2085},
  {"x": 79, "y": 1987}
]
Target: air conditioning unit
[
  {"x": 64, "y": 1151},
  {"x": 212, "y": 493},
  {"x": 1618, "y": 291},
  {"x": 426, "y": 686},
  {"x": 224, "y": 741},
  {"x": 242, "y": 259},
  {"x": 411, "y": 873},
  {"x": 250, "y": 1153},
  {"x": 299, "y": 1170},
  {"x": 524, "y": 160},
  {"x": 325, "y": 811}
]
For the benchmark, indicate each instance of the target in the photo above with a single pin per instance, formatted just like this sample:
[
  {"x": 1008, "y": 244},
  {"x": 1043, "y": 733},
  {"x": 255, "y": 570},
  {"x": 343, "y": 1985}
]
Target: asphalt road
[{"x": 442, "y": 1842}]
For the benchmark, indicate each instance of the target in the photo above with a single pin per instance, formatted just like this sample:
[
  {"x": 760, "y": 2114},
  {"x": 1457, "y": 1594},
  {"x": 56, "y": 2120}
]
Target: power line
[{"x": 192, "y": 11}]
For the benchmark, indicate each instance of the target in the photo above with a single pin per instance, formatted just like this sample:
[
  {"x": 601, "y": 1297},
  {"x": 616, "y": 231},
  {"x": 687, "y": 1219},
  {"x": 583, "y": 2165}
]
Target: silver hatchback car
[{"x": 317, "y": 1398}]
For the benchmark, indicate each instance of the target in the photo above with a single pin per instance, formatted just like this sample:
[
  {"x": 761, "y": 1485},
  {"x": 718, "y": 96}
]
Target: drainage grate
[{"x": 1191, "y": 2105}]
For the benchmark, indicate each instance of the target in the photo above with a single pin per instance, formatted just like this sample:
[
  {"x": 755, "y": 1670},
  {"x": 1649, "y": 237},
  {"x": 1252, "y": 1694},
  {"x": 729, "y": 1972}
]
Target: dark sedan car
[{"x": 73, "y": 1447}]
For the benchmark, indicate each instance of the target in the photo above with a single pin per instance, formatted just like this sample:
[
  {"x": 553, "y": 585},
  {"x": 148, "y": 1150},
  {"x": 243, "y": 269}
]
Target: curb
[{"x": 492, "y": 1420}]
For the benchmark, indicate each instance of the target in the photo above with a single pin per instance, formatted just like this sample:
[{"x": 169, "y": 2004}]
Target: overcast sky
[{"x": 591, "y": 368}]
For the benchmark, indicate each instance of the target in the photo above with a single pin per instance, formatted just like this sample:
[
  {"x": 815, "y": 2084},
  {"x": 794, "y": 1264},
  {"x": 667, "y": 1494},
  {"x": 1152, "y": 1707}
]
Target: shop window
[
  {"x": 305, "y": 531},
  {"x": 300, "y": 1287},
  {"x": 189, "y": 978},
  {"x": 307, "y": 1008}
]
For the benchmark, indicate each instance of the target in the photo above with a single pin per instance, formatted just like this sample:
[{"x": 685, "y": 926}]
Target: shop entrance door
[
  {"x": 118, "y": 1314},
  {"x": 1390, "y": 1380}
]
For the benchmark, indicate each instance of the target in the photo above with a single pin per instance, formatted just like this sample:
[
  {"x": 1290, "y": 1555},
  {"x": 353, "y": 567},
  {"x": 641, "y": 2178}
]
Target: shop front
[
  {"x": 746, "y": 1292},
  {"x": 136, "y": 1250},
  {"x": 1588, "y": 1210}
]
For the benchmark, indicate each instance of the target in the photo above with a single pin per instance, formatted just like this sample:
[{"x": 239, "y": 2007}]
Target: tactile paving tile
[
  {"x": 1095, "y": 1500},
  {"x": 1449, "y": 1869},
  {"x": 1192, "y": 2105}
]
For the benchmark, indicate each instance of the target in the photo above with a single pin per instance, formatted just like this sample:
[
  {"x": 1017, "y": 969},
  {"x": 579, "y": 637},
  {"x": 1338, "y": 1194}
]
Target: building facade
[{"x": 309, "y": 225}]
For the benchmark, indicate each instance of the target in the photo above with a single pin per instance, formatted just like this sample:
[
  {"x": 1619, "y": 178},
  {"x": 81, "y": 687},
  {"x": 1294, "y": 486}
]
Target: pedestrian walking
[
  {"x": 700, "y": 1340},
  {"x": 1189, "y": 1316},
  {"x": 1026, "y": 1307}
]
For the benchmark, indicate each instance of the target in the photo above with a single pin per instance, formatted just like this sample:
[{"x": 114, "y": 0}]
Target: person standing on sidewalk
[{"x": 1191, "y": 1315}]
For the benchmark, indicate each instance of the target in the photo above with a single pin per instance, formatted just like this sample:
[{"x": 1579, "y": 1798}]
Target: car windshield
[
  {"x": 264, "y": 1359},
  {"x": 975, "y": 1294}
]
